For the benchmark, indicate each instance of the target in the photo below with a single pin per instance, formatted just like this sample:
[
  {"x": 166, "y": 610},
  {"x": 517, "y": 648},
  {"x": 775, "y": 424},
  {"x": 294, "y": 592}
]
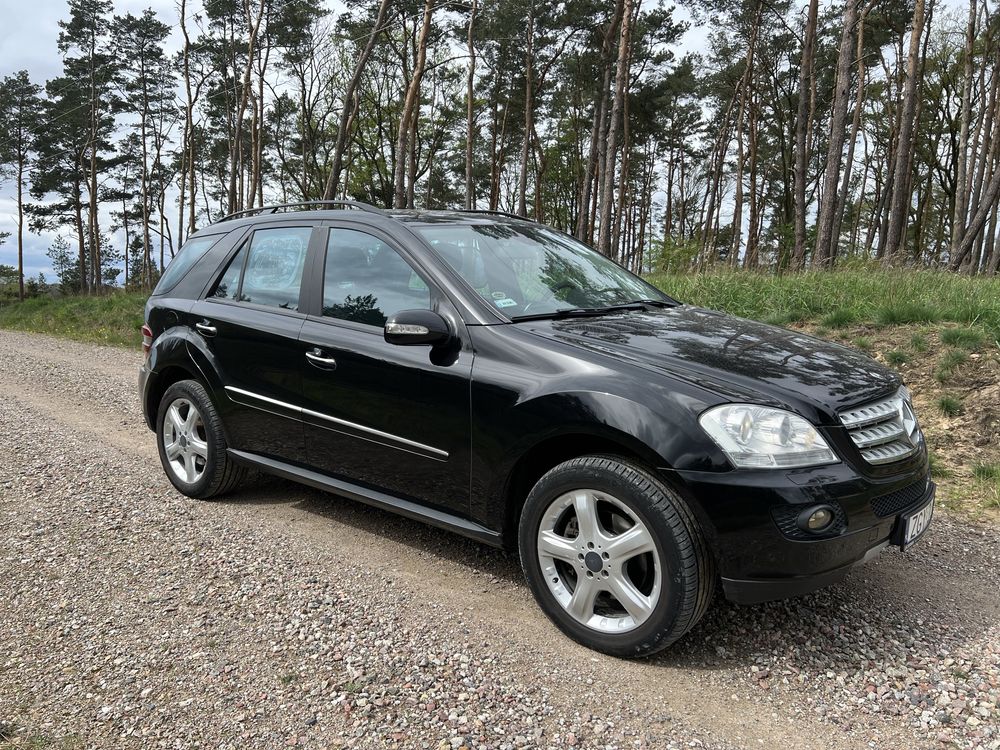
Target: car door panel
[{"x": 395, "y": 418}]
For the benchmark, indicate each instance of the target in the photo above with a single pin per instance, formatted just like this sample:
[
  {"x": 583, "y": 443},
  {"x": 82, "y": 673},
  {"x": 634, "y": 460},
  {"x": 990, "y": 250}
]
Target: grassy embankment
[
  {"x": 940, "y": 330},
  {"x": 111, "y": 319}
]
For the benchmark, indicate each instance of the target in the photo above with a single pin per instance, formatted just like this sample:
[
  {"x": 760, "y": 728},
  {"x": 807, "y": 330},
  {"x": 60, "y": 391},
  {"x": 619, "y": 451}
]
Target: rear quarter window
[{"x": 192, "y": 251}]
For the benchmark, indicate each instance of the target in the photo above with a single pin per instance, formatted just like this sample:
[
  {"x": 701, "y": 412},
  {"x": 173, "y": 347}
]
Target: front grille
[
  {"x": 896, "y": 502},
  {"x": 883, "y": 431}
]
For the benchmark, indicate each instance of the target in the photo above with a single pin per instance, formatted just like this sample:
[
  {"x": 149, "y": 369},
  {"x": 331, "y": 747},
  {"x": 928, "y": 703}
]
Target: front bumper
[{"x": 762, "y": 555}]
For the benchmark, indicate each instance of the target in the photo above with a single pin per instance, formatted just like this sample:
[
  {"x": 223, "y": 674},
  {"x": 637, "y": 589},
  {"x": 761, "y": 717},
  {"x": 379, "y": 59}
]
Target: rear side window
[
  {"x": 229, "y": 284},
  {"x": 187, "y": 256},
  {"x": 268, "y": 270}
]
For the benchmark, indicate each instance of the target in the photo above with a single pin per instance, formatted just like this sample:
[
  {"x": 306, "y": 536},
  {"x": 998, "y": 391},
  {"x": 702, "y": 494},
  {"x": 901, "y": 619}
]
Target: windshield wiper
[
  {"x": 653, "y": 302},
  {"x": 584, "y": 312},
  {"x": 567, "y": 312}
]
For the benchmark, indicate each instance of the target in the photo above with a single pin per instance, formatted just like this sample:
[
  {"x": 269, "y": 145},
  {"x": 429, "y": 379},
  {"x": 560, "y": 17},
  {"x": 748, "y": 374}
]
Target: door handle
[
  {"x": 205, "y": 329},
  {"x": 317, "y": 359}
]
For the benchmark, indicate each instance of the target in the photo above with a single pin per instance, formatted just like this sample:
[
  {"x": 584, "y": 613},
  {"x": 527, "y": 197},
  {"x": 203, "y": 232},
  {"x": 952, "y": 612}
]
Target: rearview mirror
[{"x": 416, "y": 327}]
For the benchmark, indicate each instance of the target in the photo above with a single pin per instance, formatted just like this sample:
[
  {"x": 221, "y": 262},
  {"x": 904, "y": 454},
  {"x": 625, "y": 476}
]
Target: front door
[{"x": 394, "y": 418}]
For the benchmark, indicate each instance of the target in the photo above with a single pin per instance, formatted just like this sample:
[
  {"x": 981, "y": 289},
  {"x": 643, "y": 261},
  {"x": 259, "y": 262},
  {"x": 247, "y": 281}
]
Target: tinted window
[
  {"x": 366, "y": 281},
  {"x": 273, "y": 272},
  {"x": 186, "y": 257},
  {"x": 228, "y": 286}
]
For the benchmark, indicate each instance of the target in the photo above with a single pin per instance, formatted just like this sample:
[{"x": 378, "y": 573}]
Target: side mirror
[{"x": 416, "y": 327}]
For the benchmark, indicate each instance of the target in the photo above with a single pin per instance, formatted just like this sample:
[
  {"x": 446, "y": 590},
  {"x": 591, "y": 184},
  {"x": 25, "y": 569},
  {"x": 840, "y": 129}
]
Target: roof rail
[
  {"x": 493, "y": 213},
  {"x": 299, "y": 204}
]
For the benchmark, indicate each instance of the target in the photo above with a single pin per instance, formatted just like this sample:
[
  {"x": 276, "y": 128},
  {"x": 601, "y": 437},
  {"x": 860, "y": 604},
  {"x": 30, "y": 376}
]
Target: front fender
[{"x": 663, "y": 434}]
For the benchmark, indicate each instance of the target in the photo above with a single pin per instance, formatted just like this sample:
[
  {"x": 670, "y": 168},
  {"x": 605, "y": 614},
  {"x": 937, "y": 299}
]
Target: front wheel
[
  {"x": 614, "y": 557},
  {"x": 192, "y": 444}
]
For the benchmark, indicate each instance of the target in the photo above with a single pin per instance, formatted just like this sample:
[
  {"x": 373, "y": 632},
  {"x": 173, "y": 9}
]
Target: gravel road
[{"x": 131, "y": 616}]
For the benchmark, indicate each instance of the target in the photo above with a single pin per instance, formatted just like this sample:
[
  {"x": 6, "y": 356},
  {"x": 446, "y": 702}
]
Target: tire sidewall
[
  {"x": 659, "y": 628},
  {"x": 195, "y": 393}
]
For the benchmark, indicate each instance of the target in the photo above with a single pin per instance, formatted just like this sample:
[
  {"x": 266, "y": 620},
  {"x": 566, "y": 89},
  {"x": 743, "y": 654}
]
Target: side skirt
[{"x": 407, "y": 508}]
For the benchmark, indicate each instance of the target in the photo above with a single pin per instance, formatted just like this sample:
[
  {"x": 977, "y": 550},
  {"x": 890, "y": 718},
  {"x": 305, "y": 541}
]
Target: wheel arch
[
  {"x": 548, "y": 453},
  {"x": 174, "y": 357}
]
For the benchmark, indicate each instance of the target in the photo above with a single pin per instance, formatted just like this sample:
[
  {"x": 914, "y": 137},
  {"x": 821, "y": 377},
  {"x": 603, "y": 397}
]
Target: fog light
[{"x": 816, "y": 519}]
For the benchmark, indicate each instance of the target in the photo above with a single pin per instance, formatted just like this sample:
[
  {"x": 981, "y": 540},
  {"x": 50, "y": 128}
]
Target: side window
[
  {"x": 186, "y": 257},
  {"x": 366, "y": 281},
  {"x": 271, "y": 266},
  {"x": 228, "y": 286}
]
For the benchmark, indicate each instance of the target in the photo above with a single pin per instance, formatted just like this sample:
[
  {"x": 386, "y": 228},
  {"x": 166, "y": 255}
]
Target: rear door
[
  {"x": 395, "y": 418},
  {"x": 250, "y": 322}
]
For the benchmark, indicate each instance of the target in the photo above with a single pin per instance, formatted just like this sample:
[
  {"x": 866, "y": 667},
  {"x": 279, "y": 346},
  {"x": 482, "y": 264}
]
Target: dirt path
[{"x": 885, "y": 659}]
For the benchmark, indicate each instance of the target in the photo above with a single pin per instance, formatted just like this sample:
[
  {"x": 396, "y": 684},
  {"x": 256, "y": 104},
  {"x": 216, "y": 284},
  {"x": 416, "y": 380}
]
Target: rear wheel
[
  {"x": 192, "y": 444},
  {"x": 614, "y": 557}
]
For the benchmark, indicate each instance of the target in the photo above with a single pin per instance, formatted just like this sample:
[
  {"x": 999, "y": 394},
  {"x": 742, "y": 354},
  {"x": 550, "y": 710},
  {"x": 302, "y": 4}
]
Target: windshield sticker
[
  {"x": 505, "y": 302},
  {"x": 499, "y": 295}
]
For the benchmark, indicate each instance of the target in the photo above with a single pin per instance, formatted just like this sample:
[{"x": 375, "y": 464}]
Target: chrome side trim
[{"x": 437, "y": 452}]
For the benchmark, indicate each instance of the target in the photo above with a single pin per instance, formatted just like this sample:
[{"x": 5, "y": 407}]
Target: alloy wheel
[
  {"x": 185, "y": 441},
  {"x": 599, "y": 561}
]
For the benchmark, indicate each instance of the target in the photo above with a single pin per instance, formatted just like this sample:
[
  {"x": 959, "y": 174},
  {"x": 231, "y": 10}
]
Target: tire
[
  {"x": 660, "y": 563},
  {"x": 192, "y": 443}
]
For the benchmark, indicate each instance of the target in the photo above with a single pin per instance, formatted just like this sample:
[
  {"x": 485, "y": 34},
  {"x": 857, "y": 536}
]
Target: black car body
[{"x": 457, "y": 434}]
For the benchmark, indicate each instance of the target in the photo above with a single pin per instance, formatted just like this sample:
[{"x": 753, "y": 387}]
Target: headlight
[{"x": 756, "y": 437}]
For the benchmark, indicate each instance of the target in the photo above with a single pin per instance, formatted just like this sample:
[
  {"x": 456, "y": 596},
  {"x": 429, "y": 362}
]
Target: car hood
[{"x": 735, "y": 358}]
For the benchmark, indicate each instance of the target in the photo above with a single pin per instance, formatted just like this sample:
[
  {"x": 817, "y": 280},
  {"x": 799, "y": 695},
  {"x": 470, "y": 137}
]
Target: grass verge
[
  {"x": 113, "y": 319},
  {"x": 839, "y": 298}
]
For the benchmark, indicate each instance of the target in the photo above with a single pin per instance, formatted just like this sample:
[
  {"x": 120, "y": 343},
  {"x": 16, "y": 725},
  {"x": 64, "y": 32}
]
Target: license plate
[{"x": 915, "y": 524}]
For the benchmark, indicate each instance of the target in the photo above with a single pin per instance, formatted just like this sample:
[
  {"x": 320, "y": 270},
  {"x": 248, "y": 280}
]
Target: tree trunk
[
  {"x": 801, "y": 144},
  {"x": 20, "y": 223},
  {"x": 825, "y": 239},
  {"x": 961, "y": 167},
  {"x": 610, "y": 146},
  {"x": 470, "y": 119},
  {"x": 529, "y": 96},
  {"x": 409, "y": 112},
  {"x": 350, "y": 92},
  {"x": 900, "y": 201}
]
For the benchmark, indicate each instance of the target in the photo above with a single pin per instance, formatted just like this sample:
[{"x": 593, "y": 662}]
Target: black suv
[{"x": 496, "y": 378}]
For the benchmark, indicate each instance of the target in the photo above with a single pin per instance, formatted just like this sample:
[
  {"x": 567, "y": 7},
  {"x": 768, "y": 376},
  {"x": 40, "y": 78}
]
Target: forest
[{"x": 797, "y": 135}]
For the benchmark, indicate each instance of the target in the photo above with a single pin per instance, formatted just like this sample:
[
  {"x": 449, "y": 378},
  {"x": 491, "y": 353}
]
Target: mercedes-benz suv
[{"x": 496, "y": 378}]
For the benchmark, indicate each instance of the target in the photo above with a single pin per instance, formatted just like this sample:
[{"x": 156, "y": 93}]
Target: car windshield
[{"x": 528, "y": 270}]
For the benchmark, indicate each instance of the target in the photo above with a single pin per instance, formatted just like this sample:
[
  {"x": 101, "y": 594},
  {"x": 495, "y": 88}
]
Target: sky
[{"x": 28, "y": 42}]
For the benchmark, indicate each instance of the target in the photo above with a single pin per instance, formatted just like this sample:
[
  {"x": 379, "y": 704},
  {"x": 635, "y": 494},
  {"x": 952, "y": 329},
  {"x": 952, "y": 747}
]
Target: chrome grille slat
[
  {"x": 884, "y": 432},
  {"x": 870, "y": 414},
  {"x": 879, "y": 431}
]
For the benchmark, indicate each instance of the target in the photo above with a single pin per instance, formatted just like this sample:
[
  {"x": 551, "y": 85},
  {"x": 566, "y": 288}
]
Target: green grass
[
  {"x": 950, "y": 406},
  {"x": 986, "y": 472},
  {"x": 839, "y": 318},
  {"x": 950, "y": 361},
  {"x": 963, "y": 338},
  {"x": 902, "y": 313},
  {"x": 863, "y": 343},
  {"x": 868, "y": 295},
  {"x": 919, "y": 343},
  {"x": 896, "y": 357},
  {"x": 938, "y": 470},
  {"x": 111, "y": 319}
]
